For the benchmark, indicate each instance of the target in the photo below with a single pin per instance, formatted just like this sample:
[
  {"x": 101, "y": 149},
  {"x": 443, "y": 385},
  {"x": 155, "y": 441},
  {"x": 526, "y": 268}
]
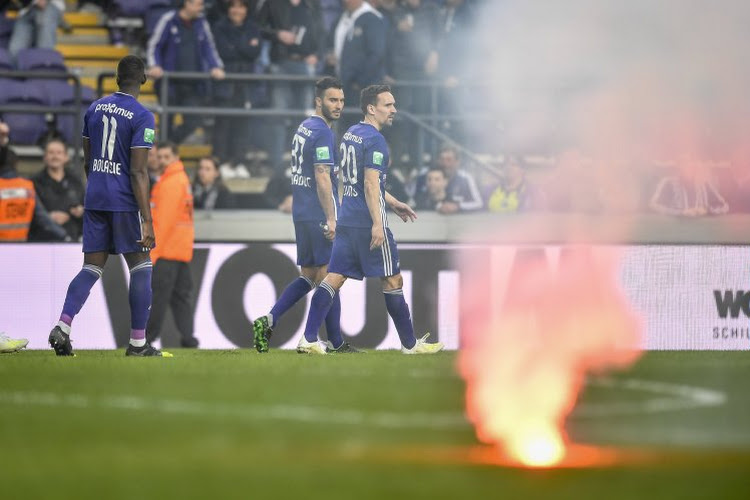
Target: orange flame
[{"x": 525, "y": 363}]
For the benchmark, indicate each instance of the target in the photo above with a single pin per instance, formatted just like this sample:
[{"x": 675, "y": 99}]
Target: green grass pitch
[{"x": 237, "y": 424}]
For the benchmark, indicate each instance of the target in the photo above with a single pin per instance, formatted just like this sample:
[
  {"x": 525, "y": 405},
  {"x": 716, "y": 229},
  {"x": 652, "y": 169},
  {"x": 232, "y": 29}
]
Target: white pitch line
[
  {"x": 678, "y": 397},
  {"x": 295, "y": 413},
  {"x": 683, "y": 397}
]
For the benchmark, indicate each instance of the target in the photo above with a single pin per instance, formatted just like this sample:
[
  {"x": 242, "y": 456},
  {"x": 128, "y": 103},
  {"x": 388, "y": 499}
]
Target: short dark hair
[
  {"x": 55, "y": 139},
  {"x": 435, "y": 168},
  {"x": 131, "y": 70},
  {"x": 370, "y": 95},
  {"x": 167, "y": 145},
  {"x": 212, "y": 159},
  {"x": 326, "y": 83}
]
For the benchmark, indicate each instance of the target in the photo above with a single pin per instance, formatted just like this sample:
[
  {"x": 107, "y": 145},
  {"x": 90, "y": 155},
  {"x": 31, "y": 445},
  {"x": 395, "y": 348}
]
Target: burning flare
[{"x": 525, "y": 360}]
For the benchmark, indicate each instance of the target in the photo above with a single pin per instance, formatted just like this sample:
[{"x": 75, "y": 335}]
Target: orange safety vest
[
  {"x": 172, "y": 210},
  {"x": 17, "y": 201}
]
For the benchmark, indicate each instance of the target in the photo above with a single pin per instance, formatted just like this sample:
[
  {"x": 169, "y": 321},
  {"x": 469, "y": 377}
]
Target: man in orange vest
[
  {"x": 172, "y": 210},
  {"x": 19, "y": 210}
]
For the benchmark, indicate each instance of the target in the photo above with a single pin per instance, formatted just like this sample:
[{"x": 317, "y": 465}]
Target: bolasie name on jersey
[
  {"x": 106, "y": 166},
  {"x": 114, "y": 109}
]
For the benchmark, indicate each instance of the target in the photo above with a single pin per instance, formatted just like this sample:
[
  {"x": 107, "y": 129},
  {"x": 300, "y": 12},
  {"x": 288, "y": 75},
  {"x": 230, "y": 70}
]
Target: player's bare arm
[
  {"x": 372, "y": 197},
  {"x": 86, "y": 156},
  {"x": 325, "y": 196},
  {"x": 140, "y": 183},
  {"x": 402, "y": 209}
]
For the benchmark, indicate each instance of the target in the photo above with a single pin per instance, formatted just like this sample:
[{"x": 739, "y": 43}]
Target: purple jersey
[
  {"x": 312, "y": 145},
  {"x": 114, "y": 125},
  {"x": 362, "y": 147}
]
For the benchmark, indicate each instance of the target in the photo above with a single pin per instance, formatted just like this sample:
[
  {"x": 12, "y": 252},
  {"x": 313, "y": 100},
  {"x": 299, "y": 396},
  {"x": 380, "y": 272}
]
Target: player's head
[
  {"x": 449, "y": 159},
  {"x": 55, "y": 154},
  {"x": 166, "y": 152},
  {"x": 329, "y": 98},
  {"x": 192, "y": 9},
  {"x": 378, "y": 104},
  {"x": 131, "y": 72}
]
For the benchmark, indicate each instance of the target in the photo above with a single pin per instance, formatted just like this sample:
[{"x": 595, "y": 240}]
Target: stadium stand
[
  {"x": 25, "y": 128},
  {"x": 40, "y": 60}
]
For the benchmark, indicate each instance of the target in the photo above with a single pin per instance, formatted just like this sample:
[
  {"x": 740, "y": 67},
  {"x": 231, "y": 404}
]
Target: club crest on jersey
[{"x": 322, "y": 153}]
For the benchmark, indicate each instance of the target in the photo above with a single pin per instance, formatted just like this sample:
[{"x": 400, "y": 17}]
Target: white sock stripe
[
  {"x": 328, "y": 288},
  {"x": 396, "y": 291},
  {"x": 309, "y": 281},
  {"x": 93, "y": 269},
  {"x": 142, "y": 265},
  {"x": 386, "y": 248}
]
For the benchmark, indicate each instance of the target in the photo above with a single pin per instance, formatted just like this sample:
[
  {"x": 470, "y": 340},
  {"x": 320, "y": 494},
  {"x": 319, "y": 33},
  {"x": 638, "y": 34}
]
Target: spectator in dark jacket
[
  {"x": 238, "y": 39},
  {"x": 359, "y": 48},
  {"x": 182, "y": 41},
  {"x": 435, "y": 192},
  {"x": 295, "y": 29},
  {"x": 60, "y": 190},
  {"x": 462, "y": 188},
  {"x": 209, "y": 192},
  {"x": 412, "y": 56}
]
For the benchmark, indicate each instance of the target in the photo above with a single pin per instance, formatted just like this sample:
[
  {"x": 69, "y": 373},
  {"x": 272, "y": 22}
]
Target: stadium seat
[
  {"x": 25, "y": 128},
  {"x": 6, "y": 29},
  {"x": 6, "y": 63},
  {"x": 132, "y": 8},
  {"x": 40, "y": 60},
  {"x": 66, "y": 123}
]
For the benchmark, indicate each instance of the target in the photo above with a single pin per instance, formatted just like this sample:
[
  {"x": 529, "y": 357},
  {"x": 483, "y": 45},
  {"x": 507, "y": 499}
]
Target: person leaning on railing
[{"x": 182, "y": 41}]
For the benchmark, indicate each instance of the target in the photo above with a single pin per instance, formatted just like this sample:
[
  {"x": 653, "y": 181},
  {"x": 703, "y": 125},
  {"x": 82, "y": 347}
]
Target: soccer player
[
  {"x": 314, "y": 208},
  {"x": 364, "y": 245},
  {"x": 117, "y": 135}
]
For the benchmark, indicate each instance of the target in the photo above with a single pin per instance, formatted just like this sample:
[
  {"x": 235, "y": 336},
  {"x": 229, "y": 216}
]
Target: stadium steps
[
  {"x": 83, "y": 19},
  {"x": 92, "y": 52},
  {"x": 85, "y": 35}
]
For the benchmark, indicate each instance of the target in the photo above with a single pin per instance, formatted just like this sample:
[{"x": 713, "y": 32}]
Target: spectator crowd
[{"x": 361, "y": 42}]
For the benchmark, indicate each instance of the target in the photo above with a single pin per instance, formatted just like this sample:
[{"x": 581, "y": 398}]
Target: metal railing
[
  {"x": 75, "y": 110},
  {"x": 426, "y": 123}
]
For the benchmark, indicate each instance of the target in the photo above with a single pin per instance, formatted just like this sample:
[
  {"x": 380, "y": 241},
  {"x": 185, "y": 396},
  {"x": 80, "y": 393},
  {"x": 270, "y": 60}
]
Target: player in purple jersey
[
  {"x": 314, "y": 208},
  {"x": 364, "y": 246},
  {"x": 117, "y": 135}
]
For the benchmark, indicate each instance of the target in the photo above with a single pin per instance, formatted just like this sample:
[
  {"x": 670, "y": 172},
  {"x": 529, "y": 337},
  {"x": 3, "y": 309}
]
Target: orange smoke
[{"x": 525, "y": 360}]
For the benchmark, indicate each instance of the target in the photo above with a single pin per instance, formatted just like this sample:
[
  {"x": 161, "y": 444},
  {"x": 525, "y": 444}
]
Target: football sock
[
  {"x": 333, "y": 322},
  {"x": 290, "y": 296},
  {"x": 140, "y": 302},
  {"x": 78, "y": 292},
  {"x": 399, "y": 311},
  {"x": 321, "y": 302}
]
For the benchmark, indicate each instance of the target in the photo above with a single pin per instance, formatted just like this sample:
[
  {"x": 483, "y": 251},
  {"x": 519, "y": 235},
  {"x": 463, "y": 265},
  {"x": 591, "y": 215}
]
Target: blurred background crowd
[{"x": 251, "y": 65}]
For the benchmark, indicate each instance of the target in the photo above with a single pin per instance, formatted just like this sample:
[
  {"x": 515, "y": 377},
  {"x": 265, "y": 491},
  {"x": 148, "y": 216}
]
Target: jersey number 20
[{"x": 348, "y": 163}]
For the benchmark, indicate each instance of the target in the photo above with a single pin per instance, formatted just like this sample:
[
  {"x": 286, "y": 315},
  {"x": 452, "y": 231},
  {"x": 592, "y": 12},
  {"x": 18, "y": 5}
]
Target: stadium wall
[{"x": 691, "y": 297}]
